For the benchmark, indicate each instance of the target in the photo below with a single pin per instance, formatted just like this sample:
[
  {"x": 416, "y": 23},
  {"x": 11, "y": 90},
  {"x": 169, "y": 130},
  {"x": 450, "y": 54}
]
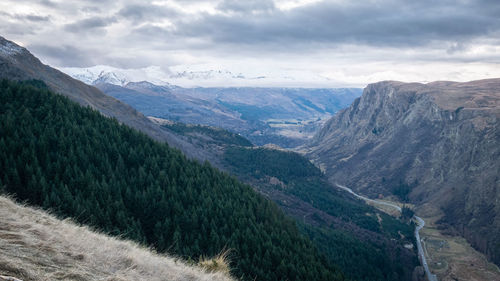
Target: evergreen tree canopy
[
  {"x": 375, "y": 259},
  {"x": 59, "y": 155}
]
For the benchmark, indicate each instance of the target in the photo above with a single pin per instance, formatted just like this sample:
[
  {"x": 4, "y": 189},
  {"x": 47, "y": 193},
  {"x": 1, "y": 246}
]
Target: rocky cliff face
[{"x": 436, "y": 143}]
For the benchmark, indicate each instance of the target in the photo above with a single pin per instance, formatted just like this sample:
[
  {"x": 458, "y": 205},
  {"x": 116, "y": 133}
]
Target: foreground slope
[
  {"x": 436, "y": 143},
  {"x": 17, "y": 63},
  {"x": 37, "y": 246},
  {"x": 56, "y": 154}
]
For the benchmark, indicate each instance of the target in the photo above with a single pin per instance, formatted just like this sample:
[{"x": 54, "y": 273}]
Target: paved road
[{"x": 420, "y": 225}]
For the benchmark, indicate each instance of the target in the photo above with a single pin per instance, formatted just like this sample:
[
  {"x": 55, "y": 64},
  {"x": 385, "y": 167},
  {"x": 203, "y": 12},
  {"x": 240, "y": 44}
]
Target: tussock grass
[
  {"x": 219, "y": 263},
  {"x": 35, "y": 245}
]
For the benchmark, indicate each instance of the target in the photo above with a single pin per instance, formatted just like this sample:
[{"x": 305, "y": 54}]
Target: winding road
[{"x": 420, "y": 225}]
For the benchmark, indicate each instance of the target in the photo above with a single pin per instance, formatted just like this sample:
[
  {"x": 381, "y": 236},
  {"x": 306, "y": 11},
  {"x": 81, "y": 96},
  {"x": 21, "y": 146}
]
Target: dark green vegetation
[
  {"x": 402, "y": 190},
  {"x": 407, "y": 213},
  {"x": 56, "y": 154},
  {"x": 304, "y": 180},
  {"x": 218, "y": 136},
  {"x": 347, "y": 231},
  {"x": 358, "y": 259},
  {"x": 350, "y": 233}
]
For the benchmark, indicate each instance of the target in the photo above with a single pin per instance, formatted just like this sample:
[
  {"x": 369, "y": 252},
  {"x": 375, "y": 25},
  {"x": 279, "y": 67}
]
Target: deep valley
[
  {"x": 287, "y": 117},
  {"x": 259, "y": 140}
]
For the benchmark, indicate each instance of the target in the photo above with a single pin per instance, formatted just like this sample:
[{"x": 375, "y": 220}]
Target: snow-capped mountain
[
  {"x": 198, "y": 76},
  {"x": 107, "y": 74}
]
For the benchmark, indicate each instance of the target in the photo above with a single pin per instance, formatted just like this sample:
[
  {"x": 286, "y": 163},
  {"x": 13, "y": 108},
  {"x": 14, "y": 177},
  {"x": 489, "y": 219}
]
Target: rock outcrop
[{"x": 436, "y": 143}]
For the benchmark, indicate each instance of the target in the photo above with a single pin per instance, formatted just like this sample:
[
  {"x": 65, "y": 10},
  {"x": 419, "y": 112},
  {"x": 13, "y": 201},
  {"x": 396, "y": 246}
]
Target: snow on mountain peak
[
  {"x": 116, "y": 76},
  {"x": 8, "y": 48},
  {"x": 197, "y": 76}
]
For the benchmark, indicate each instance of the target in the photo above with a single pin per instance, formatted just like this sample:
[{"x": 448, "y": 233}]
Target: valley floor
[{"x": 452, "y": 257}]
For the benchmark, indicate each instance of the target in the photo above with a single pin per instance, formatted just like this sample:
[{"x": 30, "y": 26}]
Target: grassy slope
[{"x": 35, "y": 245}]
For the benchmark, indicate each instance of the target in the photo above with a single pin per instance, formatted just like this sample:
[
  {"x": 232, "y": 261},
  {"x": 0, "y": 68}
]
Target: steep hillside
[
  {"x": 209, "y": 137},
  {"x": 37, "y": 246},
  {"x": 17, "y": 63},
  {"x": 284, "y": 116},
  {"x": 367, "y": 243},
  {"x": 165, "y": 102},
  {"x": 436, "y": 143},
  {"x": 349, "y": 232},
  {"x": 56, "y": 154}
]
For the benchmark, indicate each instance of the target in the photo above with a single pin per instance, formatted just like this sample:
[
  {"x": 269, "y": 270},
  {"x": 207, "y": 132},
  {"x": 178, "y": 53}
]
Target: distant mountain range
[
  {"x": 197, "y": 76},
  {"x": 287, "y": 117}
]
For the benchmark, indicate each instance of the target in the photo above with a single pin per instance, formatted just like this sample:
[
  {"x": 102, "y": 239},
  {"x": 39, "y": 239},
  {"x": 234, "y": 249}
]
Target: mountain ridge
[
  {"x": 197, "y": 76},
  {"x": 22, "y": 65},
  {"x": 283, "y": 116},
  {"x": 435, "y": 143}
]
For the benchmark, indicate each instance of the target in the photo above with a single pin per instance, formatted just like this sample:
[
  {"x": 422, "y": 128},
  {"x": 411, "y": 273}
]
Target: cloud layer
[{"x": 357, "y": 41}]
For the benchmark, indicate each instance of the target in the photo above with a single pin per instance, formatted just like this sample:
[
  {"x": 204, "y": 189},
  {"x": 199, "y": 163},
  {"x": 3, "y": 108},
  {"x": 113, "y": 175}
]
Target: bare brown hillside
[{"x": 36, "y": 246}]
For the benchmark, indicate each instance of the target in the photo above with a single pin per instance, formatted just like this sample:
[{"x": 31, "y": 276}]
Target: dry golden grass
[
  {"x": 37, "y": 246},
  {"x": 219, "y": 263}
]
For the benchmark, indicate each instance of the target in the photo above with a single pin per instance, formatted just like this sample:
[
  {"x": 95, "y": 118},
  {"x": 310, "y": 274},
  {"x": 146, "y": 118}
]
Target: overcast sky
[{"x": 350, "y": 42}]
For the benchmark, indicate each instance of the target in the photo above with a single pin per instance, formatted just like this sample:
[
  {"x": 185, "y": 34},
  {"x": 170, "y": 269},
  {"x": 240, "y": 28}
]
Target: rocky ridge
[{"x": 438, "y": 142}]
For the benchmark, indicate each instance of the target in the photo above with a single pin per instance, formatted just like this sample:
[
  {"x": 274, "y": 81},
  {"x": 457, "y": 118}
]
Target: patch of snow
[{"x": 8, "y": 48}]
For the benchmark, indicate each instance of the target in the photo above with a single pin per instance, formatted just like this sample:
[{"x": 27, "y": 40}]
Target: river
[{"x": 420, "y": 225}]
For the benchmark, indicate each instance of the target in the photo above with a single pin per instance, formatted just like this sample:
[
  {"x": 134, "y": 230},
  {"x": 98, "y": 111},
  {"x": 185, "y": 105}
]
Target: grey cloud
[
  {"x": 89, "y": 24},
  {"x": 15, "y": 29},
  {"x": 63, "y": 55},
  {"x": 386, "y": 23},
  {"x": 257, "y": 28},
  {"x": 246, "y": 6},
  {"x": 6, "y": 15},
  {"x": 36, "y": 18},
  {"x": 70, "y": 56},
  {"x": 26, "y": 17},
  {"x": 456, "y": 48},
  {"x": 48, "y": 3},
  {"x": 14, "y": 24},
  {"x": 91, "y": 9},
  {"x": 151, "y": 31},
  {"x": 147, "y": 12}
]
